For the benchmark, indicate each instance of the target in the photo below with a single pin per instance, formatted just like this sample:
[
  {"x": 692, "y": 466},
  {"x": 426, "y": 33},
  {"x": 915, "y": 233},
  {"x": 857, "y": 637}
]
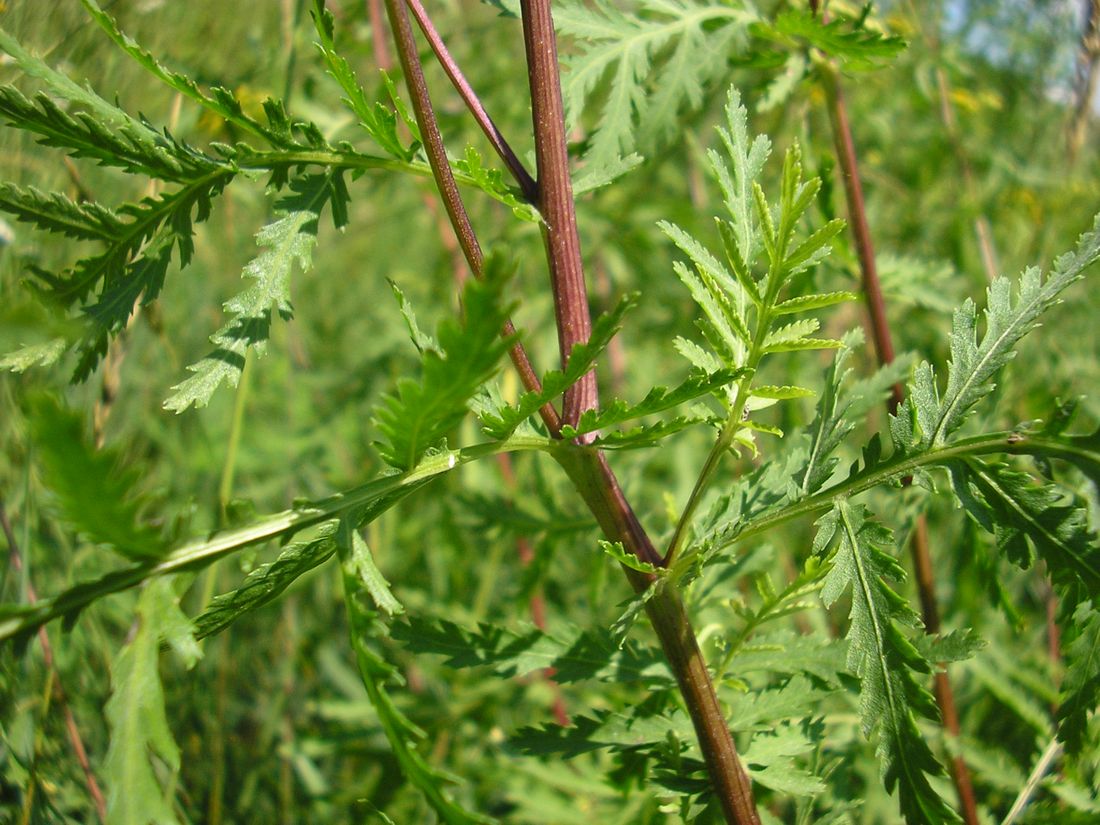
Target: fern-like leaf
[
  {"x": 136, "y": 713},
  {"x": 94, "y": 490},
  {"x": 287, "y": 241},
  {"x": 420, "y": 413},
  {"x": 365, "y": 592},
  {"x": 974, "y": 364},
  {"x": 268, "y": 581},
  {"x": 1081, "y": 688},
  {"x": 658, "y": 61},
  {"x": 883, "y": 658},
  {"x": 1023, "y": 514},
  {"x": 500, "y": 420}
]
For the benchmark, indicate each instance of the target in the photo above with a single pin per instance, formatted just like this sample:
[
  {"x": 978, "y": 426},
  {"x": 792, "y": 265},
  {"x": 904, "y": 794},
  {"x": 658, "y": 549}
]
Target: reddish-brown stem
[
  {"x": 448, "y": 189},
  {"x": 15, "y": 559},
  {"x": 587, "y": 468},
  {"x": 884, "y": 348},
  {"x": 526, "y": 183},
  {"x": 378, "y": 35},
  {"x": 555, "y": 199}
]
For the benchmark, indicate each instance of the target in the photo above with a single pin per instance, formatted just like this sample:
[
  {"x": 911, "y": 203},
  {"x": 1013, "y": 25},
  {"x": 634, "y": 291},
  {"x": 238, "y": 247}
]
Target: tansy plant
[{"x": 795, "y": 686}]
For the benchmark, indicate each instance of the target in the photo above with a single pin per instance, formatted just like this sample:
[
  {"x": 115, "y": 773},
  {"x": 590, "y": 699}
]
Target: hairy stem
[{"x": 884, "y": 348}]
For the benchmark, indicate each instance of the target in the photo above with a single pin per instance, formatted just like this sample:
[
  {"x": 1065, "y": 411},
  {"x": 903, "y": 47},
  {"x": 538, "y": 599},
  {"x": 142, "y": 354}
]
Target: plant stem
[
  {"x": 448, "y": 189},
  {"x": 555, "y": 201},
  {"x": 884, "y": 348},
  {"x": 15, "y": 560},
  {"x": 526, "y": 183},
  {"x": 1052, "y": 752}
]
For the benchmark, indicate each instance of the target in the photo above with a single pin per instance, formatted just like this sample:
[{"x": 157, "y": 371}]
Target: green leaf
[
  {"x": 287, "y": 241},
  {"x": 573, "y": 653},
  {"x": 656, "y": 400},
  {"x": 95, "y": 491},
  {"x": 657, "y": 64},
  {"x": 620, "y": 554},
  {"x": 421, "y": 340},
  {"x": 500, "y": 420},
  {"x": 1023, "y": 514},
  {"x": 883, "y": 658},
  {"x": 422, "y": 412},
  {"x": 804, "y": 303},
  {"x": 359, "y": 561},
  {"x": 268, "y": 581},
  {"x": 839, "y": 411},
  {"x": 222, "y": 102},
  {"x": 137, "y": 718},
  {"x": 1081, "y": 687},
  {"x": 491, "y": 181},
  {"x": 374, "y": 671},
  {"x": 56, "y": 213},
  {"x": 770, "y": 760},
  {"x": 974, "y": 364},
  {"x": 34, "y": 355},
  {"x": 378, "y": 120},
  {"x": 603, "y": 730},
  {"x": 855, "y": 47}
]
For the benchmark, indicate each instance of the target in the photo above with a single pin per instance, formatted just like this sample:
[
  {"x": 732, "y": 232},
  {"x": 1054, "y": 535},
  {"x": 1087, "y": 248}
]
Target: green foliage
[
  {"x": 95, "y": 491},
  {"x": 287, "y": 241},
  {"x": 883, "y": 658},
  {"x": 974, "y": 364},
  {"x": 136, "y": 713},
  {"x": 422, "y": 412},
  {"x": 658, "y": 59},
  {"x": 512, "y": 608}
]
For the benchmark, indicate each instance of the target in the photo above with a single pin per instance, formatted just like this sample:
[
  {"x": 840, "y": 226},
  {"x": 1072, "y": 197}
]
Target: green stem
[
  {"x": 382, "y": 493},
  {"x": 229, "y": 466}
]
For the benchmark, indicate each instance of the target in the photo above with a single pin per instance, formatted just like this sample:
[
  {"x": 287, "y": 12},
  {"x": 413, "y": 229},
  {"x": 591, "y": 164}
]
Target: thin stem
[
  {"x": 15, "y": 559},
  {"x": 588, "y": 468},
  {"x": 526, "y": 183},
  {"x": 229, "y": 466},
  {"x": 555, "y": 200},
  {"x": 448, "y": 189},
  {"x": 884, "y": 348},
  {"x": 1052, "y": 752}
]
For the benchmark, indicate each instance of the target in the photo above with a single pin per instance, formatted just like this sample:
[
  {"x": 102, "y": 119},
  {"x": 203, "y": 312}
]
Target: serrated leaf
[
  {"x": 883, "y": 659},
  {"x": 379, "y": 121},
  {"x": 603, "y": 730},
  {"x": 94, "y": 490},
  {"x": 34, "y": 355},
  {"x": 137, "y": 718},
  {"x": 56, "y": 213},
  {"x": 656, "y": 400},
  {"x": 268, "y": 581},
  {"x": 399, "y": 731},
  {"x": 620, "y": 554},
  {"x": 286, "y": 242},
  {"x": 1081, "y": 687},
  {"x": 855, "y": 47},
  {"x": 974, "y": 364},
  {"x": 573, "y": 653},
  {"x": 675, "y": 48},
  {"x": 499, "y": 420},
  {"x": 491, "y": 181},
  {"x": 359, "y": 562},
  {"x": 421, "y": 412},
  {"x": 804, "y": 303},
  {"x": 1023, "y": 514}
]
